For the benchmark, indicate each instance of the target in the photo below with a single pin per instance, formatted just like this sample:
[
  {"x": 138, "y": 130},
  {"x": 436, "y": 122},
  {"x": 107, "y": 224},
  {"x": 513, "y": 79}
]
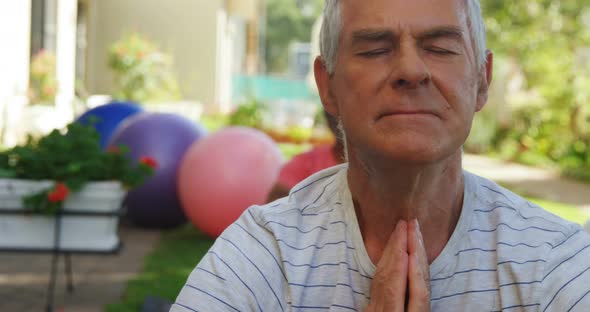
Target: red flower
[
  {"x": 48, "y": 90},
  {"x": 113, "y": 149},
  {"x": 59, "y": 193},
  {"x": 148, "y": 161}
]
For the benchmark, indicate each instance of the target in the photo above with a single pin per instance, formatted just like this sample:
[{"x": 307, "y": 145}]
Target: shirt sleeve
[
  {"x": 565, "y": 285},
  {"x": 241, "y": 272}
]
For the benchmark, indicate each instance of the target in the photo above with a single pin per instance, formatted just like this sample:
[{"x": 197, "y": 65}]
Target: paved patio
[
  {"x": 98, "y": 279},
  {"x": 541, "y": 183}
]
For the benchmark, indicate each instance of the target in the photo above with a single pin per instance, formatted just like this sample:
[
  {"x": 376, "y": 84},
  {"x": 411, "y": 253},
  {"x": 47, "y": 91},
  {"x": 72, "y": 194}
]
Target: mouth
[{"x": 408, "y": 113}]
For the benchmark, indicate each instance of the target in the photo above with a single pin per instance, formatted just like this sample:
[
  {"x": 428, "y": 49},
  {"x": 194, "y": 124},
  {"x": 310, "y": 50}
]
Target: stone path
[
  {"x": 98, "y": 279},
  {"x": 540, "y": 183}
]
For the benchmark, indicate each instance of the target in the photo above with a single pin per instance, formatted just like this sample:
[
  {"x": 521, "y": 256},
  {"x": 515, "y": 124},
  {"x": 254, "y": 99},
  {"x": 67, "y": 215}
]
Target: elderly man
[{"x": 401, "y": 227}]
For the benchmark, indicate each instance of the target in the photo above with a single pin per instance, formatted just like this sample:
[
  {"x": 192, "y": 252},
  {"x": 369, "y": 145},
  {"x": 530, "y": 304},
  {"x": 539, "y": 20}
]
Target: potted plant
[
  {"x": 143, "y": 73},
  {"x": 65, "y": 175},
  {"x": 43, "y": 81}
]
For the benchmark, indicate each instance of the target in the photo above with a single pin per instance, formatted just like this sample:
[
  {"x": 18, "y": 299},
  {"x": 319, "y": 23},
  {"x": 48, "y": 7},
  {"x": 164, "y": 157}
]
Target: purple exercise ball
[{"x": 164, "y": 137}]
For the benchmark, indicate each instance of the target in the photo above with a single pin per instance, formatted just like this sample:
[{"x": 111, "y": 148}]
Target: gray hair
[{"x": 331, "y": 26}]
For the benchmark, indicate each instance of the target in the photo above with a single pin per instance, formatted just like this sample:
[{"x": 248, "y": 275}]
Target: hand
[
  {"x": 419, "y": 270},
  {"x": 402, "y": 280}
]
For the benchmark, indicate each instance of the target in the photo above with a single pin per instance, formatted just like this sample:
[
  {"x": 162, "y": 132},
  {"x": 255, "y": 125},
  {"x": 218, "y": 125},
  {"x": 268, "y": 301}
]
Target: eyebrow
[
  {"x": 378, "y": 34},
  {"x": 442, "y": 32}
]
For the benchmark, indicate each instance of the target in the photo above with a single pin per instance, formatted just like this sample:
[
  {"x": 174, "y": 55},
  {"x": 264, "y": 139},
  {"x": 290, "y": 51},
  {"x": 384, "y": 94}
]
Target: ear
[
  {"x": 322, "y": 80},
  {"x": 485, "y": 79}
]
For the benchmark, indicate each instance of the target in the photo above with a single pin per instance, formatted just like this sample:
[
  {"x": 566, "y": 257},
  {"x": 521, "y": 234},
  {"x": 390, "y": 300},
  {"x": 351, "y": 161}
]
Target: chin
[
  {"x": 418, "y": 154},
  {"x": 415, "y": 157},
  {"x": 409, "y": 149}
]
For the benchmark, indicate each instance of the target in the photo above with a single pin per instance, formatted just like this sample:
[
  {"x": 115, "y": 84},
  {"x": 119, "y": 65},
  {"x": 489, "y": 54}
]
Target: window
[{"x": 43, "y": 25}]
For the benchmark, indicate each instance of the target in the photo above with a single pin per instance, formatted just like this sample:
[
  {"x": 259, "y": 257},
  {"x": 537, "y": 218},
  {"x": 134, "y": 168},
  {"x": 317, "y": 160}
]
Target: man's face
[{"x": 406, "y": 83}]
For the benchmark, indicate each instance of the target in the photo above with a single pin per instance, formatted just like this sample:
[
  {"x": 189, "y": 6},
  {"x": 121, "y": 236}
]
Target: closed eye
[
  {"x": 441, "y": 51},
  {"x": 373, "y": 53}
]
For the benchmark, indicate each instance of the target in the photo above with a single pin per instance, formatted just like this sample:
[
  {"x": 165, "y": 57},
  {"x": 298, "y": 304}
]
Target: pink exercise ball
[{"x": 223, "y": 174}]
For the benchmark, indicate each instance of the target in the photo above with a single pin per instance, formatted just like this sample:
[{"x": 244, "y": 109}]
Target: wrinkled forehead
[{"x": 401, "y": 15}]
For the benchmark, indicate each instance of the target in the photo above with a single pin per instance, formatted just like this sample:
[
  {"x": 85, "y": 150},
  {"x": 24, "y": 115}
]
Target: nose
[{"x": 409, "y": 70}]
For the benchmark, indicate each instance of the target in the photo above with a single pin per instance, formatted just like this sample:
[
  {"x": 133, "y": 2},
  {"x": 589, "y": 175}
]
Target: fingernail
[
  {"x": 400, "y": 225},
  {"x": 417, "y": 225}
]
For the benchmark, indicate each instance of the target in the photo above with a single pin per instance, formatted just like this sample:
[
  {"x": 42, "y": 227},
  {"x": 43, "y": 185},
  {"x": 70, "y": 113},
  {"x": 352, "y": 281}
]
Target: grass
[
  {"x": 565, "y": 211},
  {"x": 166, "y": 269}
]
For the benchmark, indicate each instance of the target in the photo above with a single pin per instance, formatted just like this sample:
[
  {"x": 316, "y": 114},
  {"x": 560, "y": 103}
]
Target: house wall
[
  {"x": 247, "y": 9},
  {"x": 252, "y": 11},
  {"x": 187, "y": 29},
  {"x": 15, "y": 24},
  {"x": 65, "y": 59}
]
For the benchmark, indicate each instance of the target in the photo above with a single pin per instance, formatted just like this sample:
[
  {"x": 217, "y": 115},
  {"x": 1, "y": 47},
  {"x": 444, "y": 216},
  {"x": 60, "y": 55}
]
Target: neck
[
  {"x": 338, "y": 151},
  {"x": 383, "y": 195}
]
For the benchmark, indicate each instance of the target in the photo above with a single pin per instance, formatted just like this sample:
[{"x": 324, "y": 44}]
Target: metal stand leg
[
  {"x": 68, "y": 263},
  {"x": 52, "y": 277},
  {"x": 51, "y": 287}
]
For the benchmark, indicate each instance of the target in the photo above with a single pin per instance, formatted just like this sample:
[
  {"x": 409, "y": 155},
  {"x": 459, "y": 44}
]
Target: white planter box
[{"x": 90, "y": 233}]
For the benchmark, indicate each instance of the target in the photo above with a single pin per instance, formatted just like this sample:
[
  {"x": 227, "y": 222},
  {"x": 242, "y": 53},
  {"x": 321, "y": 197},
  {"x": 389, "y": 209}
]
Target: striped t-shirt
[{"x": 305, "y": 253}]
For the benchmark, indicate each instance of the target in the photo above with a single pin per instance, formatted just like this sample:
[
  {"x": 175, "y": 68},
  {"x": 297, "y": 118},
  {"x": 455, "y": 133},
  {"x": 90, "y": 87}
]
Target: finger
[
  {"x": 416, "y": 242},
  {"x": 397, "y": 245},
  {"x": 418, "y": 271},
  {"x": 419, "y": 294},
  {"x": 388, "y": 290}
]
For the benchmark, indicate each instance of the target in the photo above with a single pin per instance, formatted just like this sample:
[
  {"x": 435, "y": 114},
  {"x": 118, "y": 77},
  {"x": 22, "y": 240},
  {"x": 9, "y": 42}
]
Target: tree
[
  {"x": 287, "y": 21},
  {"x": 549, "y": 40}
]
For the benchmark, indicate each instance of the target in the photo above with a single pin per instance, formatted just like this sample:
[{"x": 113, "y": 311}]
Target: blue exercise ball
[
  {"x": 165, "y": 138},
  {"x": 109, "y": 117}
]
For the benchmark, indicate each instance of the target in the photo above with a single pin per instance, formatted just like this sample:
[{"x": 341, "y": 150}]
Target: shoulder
[
  {"x": 310, "y": 203},
  {"x": 313, "y": 196},
  {"x": 566, "y": 279},
  {"x": 527, "y": 234},
  {"x": 497, "y": 206}
]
